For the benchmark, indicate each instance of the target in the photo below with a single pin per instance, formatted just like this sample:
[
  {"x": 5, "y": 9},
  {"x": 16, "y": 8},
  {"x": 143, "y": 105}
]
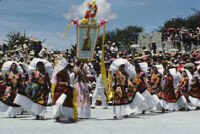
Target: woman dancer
[
  {"x": 65, "y": 109},
  {"x": 194, "y": 93},
  {"x": 143, "y": 88},
  {"x": 80, "y": 84},
  {"x": 38, "y": 90},
  {"x": 10, "y": 87}
]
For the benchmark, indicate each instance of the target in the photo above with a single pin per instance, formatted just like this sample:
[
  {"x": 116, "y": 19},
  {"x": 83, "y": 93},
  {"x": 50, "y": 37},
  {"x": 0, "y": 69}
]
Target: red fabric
[{"x": 180, "y": 67}]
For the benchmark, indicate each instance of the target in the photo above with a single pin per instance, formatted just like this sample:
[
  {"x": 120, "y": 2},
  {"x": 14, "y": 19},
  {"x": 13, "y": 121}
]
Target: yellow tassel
[
  {"x": 110, "y": 96},
  {"x": 103, "y": 68},
  {"x": 67, "y": 29},
  {"x": 75, "y": 104},
  {"x": 53, "y": 85}
]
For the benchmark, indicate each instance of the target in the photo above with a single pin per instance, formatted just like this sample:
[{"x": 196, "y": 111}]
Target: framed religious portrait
[{"x": 87, "y": 36}]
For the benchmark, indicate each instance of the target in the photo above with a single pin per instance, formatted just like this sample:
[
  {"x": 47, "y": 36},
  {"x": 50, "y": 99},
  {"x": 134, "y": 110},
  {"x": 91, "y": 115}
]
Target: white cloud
[
  {"x": 59, "y": 34},
  {"x": 104, "y": 10}
]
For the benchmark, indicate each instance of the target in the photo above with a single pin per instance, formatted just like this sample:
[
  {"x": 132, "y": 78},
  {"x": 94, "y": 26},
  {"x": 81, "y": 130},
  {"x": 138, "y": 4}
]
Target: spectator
[{"x": 4, "y": 47}]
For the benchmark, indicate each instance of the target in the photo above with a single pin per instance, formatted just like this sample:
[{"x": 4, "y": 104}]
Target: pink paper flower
[
  {"x": 102, "y": 21},
  {"x": 75, "y": 21},
  {"x": 89, "y": 5}
]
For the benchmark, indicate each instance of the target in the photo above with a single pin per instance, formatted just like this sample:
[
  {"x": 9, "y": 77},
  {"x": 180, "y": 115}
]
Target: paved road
[{"x": 102, "y": 122}]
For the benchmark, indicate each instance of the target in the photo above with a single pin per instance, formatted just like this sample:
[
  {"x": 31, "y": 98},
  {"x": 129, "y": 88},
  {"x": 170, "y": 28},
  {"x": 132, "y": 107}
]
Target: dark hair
[
  {"x": 198, "y": 81},
  {"x": 15, "y": 71},
  {"x": 122, "y": 65},
  {"x": 39, "y": 63},
  {"x": 137, "y": 67},
  {"x": 42, "y": 64},
  {"x": 154, "y": 67}
]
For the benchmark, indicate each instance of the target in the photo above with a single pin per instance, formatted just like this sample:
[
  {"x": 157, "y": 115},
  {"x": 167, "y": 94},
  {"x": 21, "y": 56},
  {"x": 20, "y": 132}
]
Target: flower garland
[
  {"x": 88, "y": 19},
  {"x": 90, "y": 14}
]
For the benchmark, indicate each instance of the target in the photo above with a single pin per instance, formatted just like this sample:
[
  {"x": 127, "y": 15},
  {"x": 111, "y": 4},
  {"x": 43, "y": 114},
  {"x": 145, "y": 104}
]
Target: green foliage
[
  {"x": 175, "y": 23},
  {"x": 191, "y": 22},
  {"x": 12, "y": 37},
  {"x": 73, "y": 49},
  {"x": 122, "y": 37}
]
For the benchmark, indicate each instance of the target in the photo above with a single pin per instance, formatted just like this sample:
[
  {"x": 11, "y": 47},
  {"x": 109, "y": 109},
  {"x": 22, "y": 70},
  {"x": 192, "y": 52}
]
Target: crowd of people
[
  {"x": 33, "y": 78},
  {"x": 182, "y": 38}
]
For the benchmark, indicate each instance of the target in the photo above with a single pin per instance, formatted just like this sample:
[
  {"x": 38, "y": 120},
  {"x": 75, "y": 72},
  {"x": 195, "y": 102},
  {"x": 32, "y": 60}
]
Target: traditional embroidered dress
[
  {"x": 21, "y": 98},
  {"x": 156, "y": 89},
  {"x": 24, "y": 82},
  {"x": 68, "y": 109},
  {"x": 194, "y": 94},
  {"x": 142, "y": 89},
  {"x": 125, "y": 98},
  {"x": 8, "y": 93},
  {"x": 168, "y": 98},
  {"x": 122, "y": 93},
  {"x": 3, "y": 107},
  {"x": 36, "y": 94},
  {"x": 183, "y": 90},
  {"x": 83, "y": 98},
  {"x": 168, "y": 92},
  {"x": 182, "y": 93}
]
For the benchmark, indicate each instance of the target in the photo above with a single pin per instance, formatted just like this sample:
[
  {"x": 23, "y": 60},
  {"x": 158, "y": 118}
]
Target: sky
[{"x": 47, "y": 19}]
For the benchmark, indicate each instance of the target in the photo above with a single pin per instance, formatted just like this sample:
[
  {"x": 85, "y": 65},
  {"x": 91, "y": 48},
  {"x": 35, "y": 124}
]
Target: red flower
[{"x": 87, "y": 14}]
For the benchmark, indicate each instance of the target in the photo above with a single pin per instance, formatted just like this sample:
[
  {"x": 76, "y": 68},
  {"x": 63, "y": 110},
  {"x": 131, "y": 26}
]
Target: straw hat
[
  {"x": 31, "y": 53},
  {"x": 14, "y": 47}
]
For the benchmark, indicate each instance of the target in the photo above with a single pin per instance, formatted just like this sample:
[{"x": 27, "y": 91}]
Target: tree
[
  {"x": 12, "y": 37},
  {"x": 122, "y": 37},
  {"x": 73, "y": 49},
  {"x": 190, "y": 22},
  {"x": 193, "y": 21},
  {"x": 174, "y": 23}
]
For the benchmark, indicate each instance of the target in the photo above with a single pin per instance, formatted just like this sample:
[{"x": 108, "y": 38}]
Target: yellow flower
[
  {"x": 88, "y": 2},
  {"x": 84, "y": 21},
  {"x": 94, "y": 21},
  {"x": 93, "y": 5}
]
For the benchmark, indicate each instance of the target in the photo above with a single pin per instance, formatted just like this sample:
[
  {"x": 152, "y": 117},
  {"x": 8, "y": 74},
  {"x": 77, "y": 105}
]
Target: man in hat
[
  {"x": 114, "y": 48},
  {"x": 25, "y": 45},
  {"x": 99, "y": 90},
  {"x": 42, "y": 52},
  {"x": 37, "y": 47},
  {"x": 4, "y": 47},
  {"x": 98, "y": 51},
  {"x": 153, "y": 47},
  {"x": 18, "y": 44},
  {"x": 107, "y": 47}
]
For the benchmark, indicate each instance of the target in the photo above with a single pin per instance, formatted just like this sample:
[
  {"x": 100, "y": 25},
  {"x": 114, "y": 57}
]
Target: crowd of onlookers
[
  {"x": 26, "y": 52},
  {"x": 182, "y": 38}
]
